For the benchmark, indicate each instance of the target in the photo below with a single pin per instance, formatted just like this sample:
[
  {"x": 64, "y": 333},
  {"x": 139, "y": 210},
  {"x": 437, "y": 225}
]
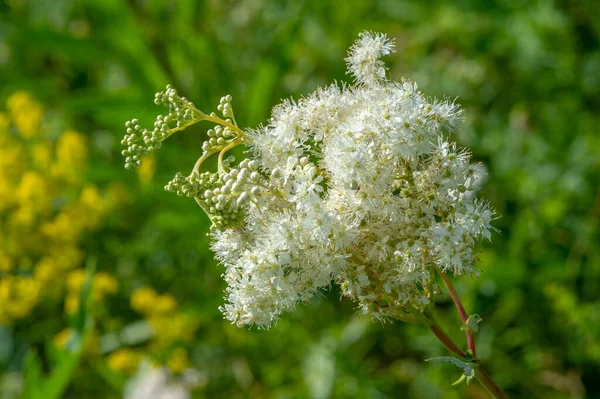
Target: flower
[
  {"x": 124, "y": 360},
  {"x": 26, "y": 113},
  {"x": 355, "y": 185},
  {"x": 45, "y": 211}
]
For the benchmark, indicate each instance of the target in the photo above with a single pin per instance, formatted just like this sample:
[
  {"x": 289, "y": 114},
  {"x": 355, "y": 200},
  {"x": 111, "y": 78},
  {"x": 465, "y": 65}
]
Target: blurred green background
[{"x": 527, "y": 74}]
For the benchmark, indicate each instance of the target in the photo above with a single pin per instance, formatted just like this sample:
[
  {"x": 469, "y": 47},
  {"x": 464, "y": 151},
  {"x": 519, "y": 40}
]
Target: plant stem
[
  {"x": 229, "y": 146},
  {"x": 445, "y": 339},
  {"x": 480, "y": 374},
  {"x": 484, "y": 378},
  {"x": 461, "y": 311}
]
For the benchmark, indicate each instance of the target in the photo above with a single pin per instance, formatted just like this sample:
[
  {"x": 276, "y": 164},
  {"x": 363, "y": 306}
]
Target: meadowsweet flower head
[{"x": 353, "y": 185}]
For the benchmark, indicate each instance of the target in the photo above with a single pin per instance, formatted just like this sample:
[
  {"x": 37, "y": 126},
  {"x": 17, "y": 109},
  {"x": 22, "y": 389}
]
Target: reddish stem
[
  {"x": 461, "y": 311},
  {"x": 480, "y": 374},
  {"x": 446, "y": 340}
]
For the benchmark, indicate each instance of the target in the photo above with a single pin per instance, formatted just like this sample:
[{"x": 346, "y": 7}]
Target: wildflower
[
  {"x": 142, "y": 299},
  {"x": 124, "y": 360},
  {"x": 103, "y": 285},
  {"x": 71, "y": 153},
  {"x": 45, "y": 211},
  {"x": 356, "y": 185},
  {"x": 26, "y": 113},
  {"x": 148, "y": 302}
]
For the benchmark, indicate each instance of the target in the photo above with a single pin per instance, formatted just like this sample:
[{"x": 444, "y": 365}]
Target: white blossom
[{"x": 352, "y": 185}]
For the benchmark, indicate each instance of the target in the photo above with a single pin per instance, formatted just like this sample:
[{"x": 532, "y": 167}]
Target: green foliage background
[{"x": 527, "y": 74}]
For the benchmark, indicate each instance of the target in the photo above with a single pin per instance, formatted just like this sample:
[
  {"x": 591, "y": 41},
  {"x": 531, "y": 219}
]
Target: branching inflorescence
[{"x": 355, "y": 185}]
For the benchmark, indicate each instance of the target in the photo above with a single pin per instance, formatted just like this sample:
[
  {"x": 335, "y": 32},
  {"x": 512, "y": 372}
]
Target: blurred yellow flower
[
  {"x": 91, "y": 346},
  {"x": 76, "y": 279},
  {"x": 18, "y": 296},
  {"x": 6, "y": 263},
  {"x": 165, "y": 303},
  {"x": 71, "y": 303},
  {"x": 45, "y": 211},
  {"x": 25, "y": 112},
  {"x": 173, "y": 327},
  {"x": 33, "y": 192},
  {"x": 60, "y": 340},
  {"x": 103, "y": 284},
  {"x": 124, "y": 360},
  {"x": 142, "y": 299},
  {"x": 71, "y": 154},
  {"x": 146, "y": 300},
  {"x": 93, "y": 205},
  {"x": 42, "y": 155}
]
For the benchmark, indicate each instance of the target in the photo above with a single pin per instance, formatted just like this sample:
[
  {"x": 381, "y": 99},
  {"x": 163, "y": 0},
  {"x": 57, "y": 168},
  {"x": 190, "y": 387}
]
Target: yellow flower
[
  {"x": 24, "y": 216},
  {"x": 71, "y": 154},
  {"x": 66, "y": 257},
  {"x": 164, "y": 304},
  {"x": 13, "y": 160},
  {"x": 27, "y": 288},
  {"x": 12, "y": 165},
  {"x": 178, "y": 360},
  {"x": 176, "y": 327},
  {"x": 65, "y": 227},
  {"x": 5, "y": 289},
  {"x": 91, "y": 345},
  {"x": 105, "y": 284},
  {"x": 20, "y": 309},
  {"x": 33, "y": 190},
  {"x": 26, "y": 113},
  {"x": 93, "y": 205},
  {"x": 6, "y": 263},
  {"x": 42, "y": 155},
  {"x": 143, "y": 299},
  {"x": 76, "y": 279},
  {"x": 124, "y": 360},
  {"x": 60, "y": 340},
  {"x": 71, "y": 303},
  {"x": 39, "y": 235}
]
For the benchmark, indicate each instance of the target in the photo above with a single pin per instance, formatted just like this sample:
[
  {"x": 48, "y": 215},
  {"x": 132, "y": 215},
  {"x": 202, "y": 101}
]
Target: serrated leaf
[{"x": 468, "y": 369}]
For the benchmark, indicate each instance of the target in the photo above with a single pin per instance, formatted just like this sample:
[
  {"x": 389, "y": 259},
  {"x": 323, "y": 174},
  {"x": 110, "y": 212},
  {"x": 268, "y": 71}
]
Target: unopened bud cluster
[
  {"x": 218, "y": 138},
  {"x": 140, "y": 141},
  {"x": 225, "y": 106},
  {"x": 353, "y": 185}
]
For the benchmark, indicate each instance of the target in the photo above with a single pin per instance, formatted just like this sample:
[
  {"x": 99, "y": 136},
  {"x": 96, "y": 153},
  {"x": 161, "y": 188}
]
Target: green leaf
[
  {"x": 66, "y": 361},
  {"x": 32, "y": 375},
  {"x": 472, "y": 323},
  {"x": 467, "y": 368}
]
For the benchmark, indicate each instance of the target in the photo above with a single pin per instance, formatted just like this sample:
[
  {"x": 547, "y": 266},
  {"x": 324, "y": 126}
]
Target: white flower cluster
[{"x": 356, "y": 185}]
